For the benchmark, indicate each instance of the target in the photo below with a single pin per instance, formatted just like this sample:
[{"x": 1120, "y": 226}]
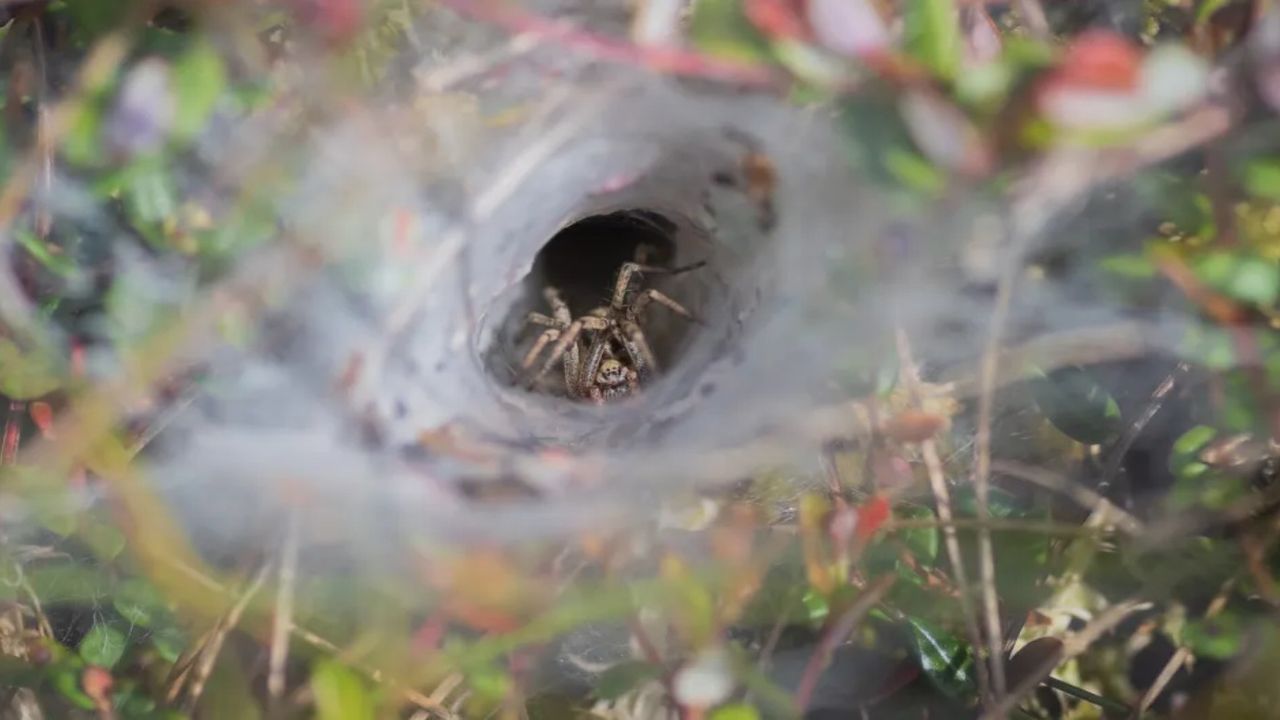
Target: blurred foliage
[{"x": 937, "y": 100}]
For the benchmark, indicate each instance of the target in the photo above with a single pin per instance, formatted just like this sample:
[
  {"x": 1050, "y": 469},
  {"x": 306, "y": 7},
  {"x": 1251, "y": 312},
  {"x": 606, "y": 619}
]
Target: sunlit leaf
[
  {"x": 25, "y": 376},
  {"x": 932, "y": 34},
  {"x": 149, "y": 194},
  {"x": 736, "y": 711},
  {"x": 489, "y": 683},
  {"x": 66, "y": 680},
  {"x": 1242, "y": 276},
  {"x": 199, "y": 79},
  {"x": 340, "y": 694},
  {"x": 1262, "y": 178},
  {"x": 1220, "y": 638},
  {"x": 103, "y": 645},
  {"x": 914, "y": 171}
]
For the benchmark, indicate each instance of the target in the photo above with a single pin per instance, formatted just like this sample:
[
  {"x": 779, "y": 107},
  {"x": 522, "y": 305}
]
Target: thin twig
[
  {"x": 1105, "y": 703},
  {"x": 459, "y": 70},
  {"x": 996, "y": 525},
  {"x": 1082, "y": 495},
  {"x": 942, "y": 500},
  {"x": 209, "y": 655},
  {"x": 42, "y": 620},
  {"x": 836, "y": 634},
  {"x": 320, "y": 643},
  {"x": 1112, "y": 468},
  {"x": 283, "y": 622},
  {"x": 1182, "y": 655},
  {"x": 982, "y": 478}
]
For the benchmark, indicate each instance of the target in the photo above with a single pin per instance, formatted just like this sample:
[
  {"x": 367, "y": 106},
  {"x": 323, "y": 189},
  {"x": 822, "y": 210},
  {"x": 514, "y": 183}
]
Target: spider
[{"x": 618, "y": 357}]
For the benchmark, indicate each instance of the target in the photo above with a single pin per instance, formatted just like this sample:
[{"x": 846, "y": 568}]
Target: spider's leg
[
  {"x": 665, "y": 301},
  {"x": 591, "y": 365},
  {"x": 566, "y": 340},
  {"x": 572, "y": 364},
  {"x": 632, "y": 339},
  {"x": 622, "y": 285},
  {"x": 539, "y": 345},
  {"x": 537, "y": 318}
]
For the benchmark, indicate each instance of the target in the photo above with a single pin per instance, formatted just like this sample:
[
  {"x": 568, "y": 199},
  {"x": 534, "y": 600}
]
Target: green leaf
[
  {"x": 169, "y": 641},
  {"x": 932, "y": 34},
  {"x": 922, "y": 541},
  {"x": 1191, "y": 442},
  {"x": 103, "y": 645},
  {"x": 1073, "y": 400},
  {"x": 944, "y": 657},
  {"x": 68, "y": 582},
  {"x": 737, "y": 711},
  {"x": 57, "y": 263},
  {"x": 199, "y": 78},
  {"x": 66, "y": 681},
  {"x": 25, "y": 377},
  {"x": 489, "y": 683},
  {"x": 1262, "y": 178},
  {"x": 104, "y": 539},
  {"x": 1257, "y": 281},
  {"x": 81, "y": 144},
  {"x": 1219, "y": 638},
  {"x": 912, "y": 170},
  {"x": 91, "y": 18},
  {"x": 1244, "y": 277},
  {"x": 1133, "y": 266},
  {"x": 340, "y": 694},
  {"x": 138, "y": 602},
  {"x": 149, "y": 196},
  {"x": 1184, "y": 461},
  {"x": 816, "y": 605},
  {"x": 624, "y": 677},
  {"x": 719, "y": 27}
]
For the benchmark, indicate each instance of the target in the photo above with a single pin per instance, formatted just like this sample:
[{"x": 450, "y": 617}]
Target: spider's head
[{"x": 612, "y": 374}]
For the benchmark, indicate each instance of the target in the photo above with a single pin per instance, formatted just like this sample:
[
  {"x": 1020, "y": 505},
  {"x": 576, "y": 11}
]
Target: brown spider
[{"x": 618, "y": 357}]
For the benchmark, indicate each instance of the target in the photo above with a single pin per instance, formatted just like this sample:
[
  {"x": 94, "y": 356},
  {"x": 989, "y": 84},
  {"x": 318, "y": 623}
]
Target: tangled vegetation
[{"x": 1054, "y": 535}]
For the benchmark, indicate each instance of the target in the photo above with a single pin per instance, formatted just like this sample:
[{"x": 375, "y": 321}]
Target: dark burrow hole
[{"x": 582, "y": 262}]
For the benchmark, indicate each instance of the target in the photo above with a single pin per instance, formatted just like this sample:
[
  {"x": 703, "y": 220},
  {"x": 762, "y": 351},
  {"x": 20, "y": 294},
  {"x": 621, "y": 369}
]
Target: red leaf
[
  {"x": 871, "y": 515},
  {"x": 336, "y": 21},
  {"x": 97, "y": 683},
  {"x": 778, "y": 19},
  {"x": 42, "y": 416},
  {"x": 1102, "y": 60}
]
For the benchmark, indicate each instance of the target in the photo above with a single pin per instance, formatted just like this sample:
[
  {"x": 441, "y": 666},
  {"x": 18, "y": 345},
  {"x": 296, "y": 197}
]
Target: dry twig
[{"x": 942, "y": 499}]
